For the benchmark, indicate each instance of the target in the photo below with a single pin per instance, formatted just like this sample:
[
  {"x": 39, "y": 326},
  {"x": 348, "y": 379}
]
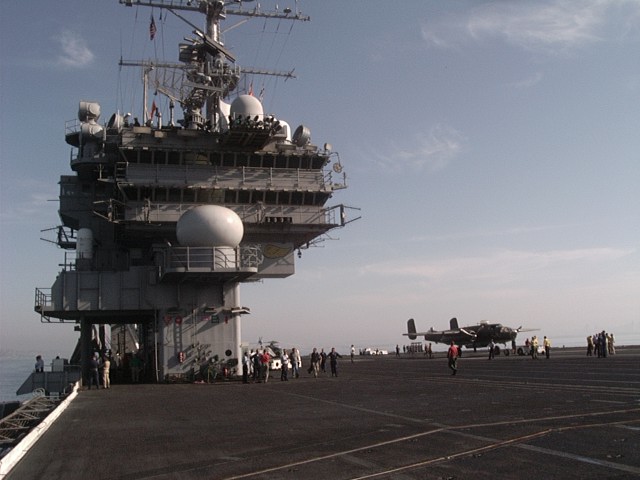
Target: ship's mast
[{"x": 209, "y": 67}]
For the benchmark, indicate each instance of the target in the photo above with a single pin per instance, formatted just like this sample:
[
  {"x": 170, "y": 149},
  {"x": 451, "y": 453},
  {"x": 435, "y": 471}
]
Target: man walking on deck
[
  {"x": 333, "y": 361},
  {"x": 546, "y": 343},
  {"x": 452, "y": 356},
  {"x": 93, "y": 372},
  {"x": 315, "y": 363}
]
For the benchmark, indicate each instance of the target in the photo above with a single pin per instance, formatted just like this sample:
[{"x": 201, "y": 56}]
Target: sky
[{"x": 492, "y": 147}]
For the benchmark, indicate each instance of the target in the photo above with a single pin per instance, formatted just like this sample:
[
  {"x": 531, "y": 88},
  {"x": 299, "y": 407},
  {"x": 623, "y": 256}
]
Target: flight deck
[{"x": 383, "y": 417}]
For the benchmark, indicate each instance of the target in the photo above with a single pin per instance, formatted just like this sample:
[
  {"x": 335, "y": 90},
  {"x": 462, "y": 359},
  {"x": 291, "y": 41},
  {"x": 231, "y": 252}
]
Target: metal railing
[
  {"x": 223, "y": 177},
  {"x": 211, "y": 259},
  {"x": 43, "y": 299},
  {"x": 171, "y": 212}
]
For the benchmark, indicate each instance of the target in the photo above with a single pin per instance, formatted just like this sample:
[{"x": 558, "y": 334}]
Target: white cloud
[
  {"x": 547, "y": 26},
  {"x": 439, "y": 34},
  {"x": 500, "y": 267},
  {"x": 432, "y": 150},
  {"x": 528, "y": 82},
  {"x": 75, "y": 52},
  {"x": 37, "y": 206},
  {"x": 553, "y": 26},
  {"x": 487, "y": 233}
]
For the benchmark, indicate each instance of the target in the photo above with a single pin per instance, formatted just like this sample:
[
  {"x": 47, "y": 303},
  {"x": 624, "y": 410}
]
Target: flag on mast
[{"x": 152, "y": 28}]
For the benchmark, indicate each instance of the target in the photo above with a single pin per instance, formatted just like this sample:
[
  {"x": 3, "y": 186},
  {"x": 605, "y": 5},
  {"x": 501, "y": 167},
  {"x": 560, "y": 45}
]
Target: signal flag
[{"x": 152, "y": 28}]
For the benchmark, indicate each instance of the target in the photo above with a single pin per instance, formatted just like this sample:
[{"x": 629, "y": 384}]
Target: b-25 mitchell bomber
[{"x": 473, "y": 336}]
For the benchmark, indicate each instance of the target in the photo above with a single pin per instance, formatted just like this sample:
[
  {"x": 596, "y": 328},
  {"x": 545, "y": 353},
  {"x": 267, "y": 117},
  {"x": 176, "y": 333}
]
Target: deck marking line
[{"x": 422, "y": 434}]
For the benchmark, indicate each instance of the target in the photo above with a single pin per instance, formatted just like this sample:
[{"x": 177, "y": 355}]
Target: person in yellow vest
[
  {"x": 106, "y": 366},
  {"x": 534, "y": 347},
  {"x": 610, "y": 344},
  {"x": 547, "y": 346}
]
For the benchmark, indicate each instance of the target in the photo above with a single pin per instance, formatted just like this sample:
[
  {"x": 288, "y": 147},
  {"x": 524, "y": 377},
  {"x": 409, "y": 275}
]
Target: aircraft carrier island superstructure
[{"x": 162, "y": 222}]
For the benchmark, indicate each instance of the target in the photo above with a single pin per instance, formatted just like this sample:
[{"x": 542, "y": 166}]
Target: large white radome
[
  {"x": 209, "y": 226},
  {"x": 247, "y": 105}
]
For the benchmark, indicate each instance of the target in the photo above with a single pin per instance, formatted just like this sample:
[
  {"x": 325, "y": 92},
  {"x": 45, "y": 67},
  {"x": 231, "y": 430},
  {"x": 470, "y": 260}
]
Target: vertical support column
[
  {"x": 85, "y": 347},
  {"x": 104, "y": 331},
  {"x": 231, "y": 292},
  {"x": 158, "y": 354}
]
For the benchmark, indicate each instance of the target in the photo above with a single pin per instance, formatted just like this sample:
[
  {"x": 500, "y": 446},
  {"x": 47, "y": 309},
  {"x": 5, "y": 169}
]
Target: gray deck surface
[{"x": 383, "y": 417}]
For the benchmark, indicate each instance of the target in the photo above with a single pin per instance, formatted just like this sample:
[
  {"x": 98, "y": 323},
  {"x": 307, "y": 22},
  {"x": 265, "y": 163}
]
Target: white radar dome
[
  {"x": 209, "y": 226},
  {"x": 247, "y": 105}
]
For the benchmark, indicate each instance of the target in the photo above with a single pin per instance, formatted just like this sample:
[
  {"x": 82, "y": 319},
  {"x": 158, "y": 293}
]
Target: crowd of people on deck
[
  {"x": 416, "y": 348},
  {"x": 258, "y": 364},
  {"x": 601, "y": 344},
  {"x": 534, "y": 345}
]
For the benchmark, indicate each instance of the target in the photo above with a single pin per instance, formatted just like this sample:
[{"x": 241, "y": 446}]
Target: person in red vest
[
  {"x": 452, "y": 355},
  {"x": 265, "y": 358}
]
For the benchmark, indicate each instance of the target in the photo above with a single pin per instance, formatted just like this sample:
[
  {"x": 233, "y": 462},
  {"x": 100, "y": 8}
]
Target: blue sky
[{"x": 493, "y": 148}]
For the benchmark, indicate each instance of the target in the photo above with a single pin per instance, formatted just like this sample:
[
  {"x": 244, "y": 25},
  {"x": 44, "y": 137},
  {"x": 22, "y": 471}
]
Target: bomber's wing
[{"x": 458, "y": 335}]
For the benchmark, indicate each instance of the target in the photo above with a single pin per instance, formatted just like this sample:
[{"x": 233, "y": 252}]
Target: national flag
[
  {"x": 251, "y": 89},
  {"x": 152, "y": 28},
  {"x": 153, "y": 108}
]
